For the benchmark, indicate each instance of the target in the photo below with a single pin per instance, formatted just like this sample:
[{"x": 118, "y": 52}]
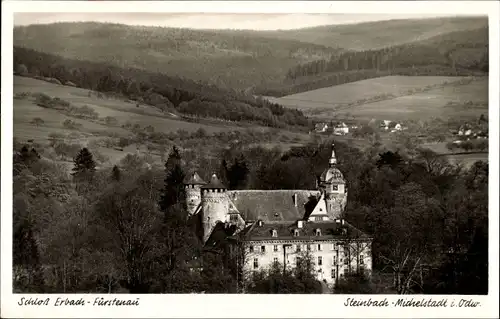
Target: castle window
[
  {"x": 346, "y": 271},
  {"x": 298, "y": 248},
  {"x": 318, "y": 232},
  {"x": 275, "y": 233},
  {"x": 275, "y": 260},
  {"x": 335, "y": 260},
  {"x": 361, "y": 260},
  {"x": 346, "y": 261},
  {"x": 263, "y": 249},
  {"x": 275, "y": 247},
  {"x": 255, "y": 263},
  {"x": 335, "y": 187},
  {"x": 320, "y": 260},
  {"x": 296, "y": 232},
  {"x": 251, "y": 249},
  {"x": 318, "y": 218},
  {"x": 333, "y": 273},
  {"x": 319, "y": 247},
  {"x": 308, "y": 247}
]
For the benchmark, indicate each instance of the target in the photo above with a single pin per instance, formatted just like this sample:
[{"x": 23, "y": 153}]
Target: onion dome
[{"x": 332, "y": 173}]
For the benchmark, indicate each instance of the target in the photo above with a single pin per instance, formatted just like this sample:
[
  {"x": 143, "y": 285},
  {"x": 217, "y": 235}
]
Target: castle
[{"x": 280, "y": 226}]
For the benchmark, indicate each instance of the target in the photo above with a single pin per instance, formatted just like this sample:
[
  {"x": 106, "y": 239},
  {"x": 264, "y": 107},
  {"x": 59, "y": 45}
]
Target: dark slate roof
[
  {"x": 194, "y": 179},
  {"x": 219, "y": 234},
  {"x": 214, "y": 183},
  {"x": 271, "y": 205},
  {"x": 329, "y": 230}
]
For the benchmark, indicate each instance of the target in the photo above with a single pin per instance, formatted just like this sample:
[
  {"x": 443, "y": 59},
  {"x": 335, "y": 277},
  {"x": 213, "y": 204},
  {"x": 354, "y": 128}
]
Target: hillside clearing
[
  {"x": 124, "y": 112},
  {"x": 391, "y": 97}
]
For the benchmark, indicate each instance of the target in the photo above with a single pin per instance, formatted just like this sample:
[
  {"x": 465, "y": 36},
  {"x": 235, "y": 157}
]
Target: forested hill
[
  {"x": 451, "y": 54},
  {"x": 168, "y": 93},
  {"x": 236, "y": 59},
  {"x": 226, "y": 59},
  {"x": 380, "y": 34}
]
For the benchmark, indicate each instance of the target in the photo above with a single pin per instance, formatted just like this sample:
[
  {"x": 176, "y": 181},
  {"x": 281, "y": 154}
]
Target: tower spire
[{"x": 333, "y": 158}]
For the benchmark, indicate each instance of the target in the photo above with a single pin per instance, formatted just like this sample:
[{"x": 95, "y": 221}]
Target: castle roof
[
  {"x": 329, "y": 230},
  {"x": 332, "y": 174},
  {"x": 214, "y": 183},
  {"x": 194, "y": 179},
  {"x": 271, "y": 205}
]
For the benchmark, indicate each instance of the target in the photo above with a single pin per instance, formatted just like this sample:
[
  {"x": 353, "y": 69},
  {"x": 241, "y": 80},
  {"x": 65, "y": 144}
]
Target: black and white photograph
[{"x": 250, "y": 154}]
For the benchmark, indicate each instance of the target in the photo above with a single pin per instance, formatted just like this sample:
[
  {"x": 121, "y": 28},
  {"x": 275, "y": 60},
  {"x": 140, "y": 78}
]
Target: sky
[{"x": 212, "y": 21}]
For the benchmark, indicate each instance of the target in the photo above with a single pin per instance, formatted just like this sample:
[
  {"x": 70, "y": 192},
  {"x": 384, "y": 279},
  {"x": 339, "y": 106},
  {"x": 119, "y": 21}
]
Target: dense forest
[
  {"x": 429, "y": 220},
  {"x": 225, "y": 59},
  {"x": 460, "y": 53},
  {"x": 168, "y": 93},
  {"x": 273, "y": 63}
]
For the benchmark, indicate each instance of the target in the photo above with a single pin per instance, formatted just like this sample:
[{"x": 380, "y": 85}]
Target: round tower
[
  {"x": 332, "y": 184},
  {"x": 193, "y": 184},
  {"x": 215, "y": 205}
]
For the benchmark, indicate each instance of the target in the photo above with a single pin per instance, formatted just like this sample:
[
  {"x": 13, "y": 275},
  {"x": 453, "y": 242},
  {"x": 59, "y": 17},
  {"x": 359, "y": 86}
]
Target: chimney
[
  {"x": 295, "y": 199},
  {"x": 300, "y": 223}
]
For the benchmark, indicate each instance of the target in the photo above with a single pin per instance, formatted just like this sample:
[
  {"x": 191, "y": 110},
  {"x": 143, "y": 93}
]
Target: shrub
[
  {"x": 72, "y": 125},
  {"x": 110, "y": 120},
  {"x": 37, "y": 121},
  {"x": 22, "y": 95}
]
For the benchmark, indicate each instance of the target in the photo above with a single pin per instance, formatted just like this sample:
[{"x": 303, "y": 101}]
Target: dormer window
[
  {"x": 274, "y": 233},
  {"x": 296, "y": 232},
  {"x": 335, "y": 187},
  {"x": 318, "y": 232}
]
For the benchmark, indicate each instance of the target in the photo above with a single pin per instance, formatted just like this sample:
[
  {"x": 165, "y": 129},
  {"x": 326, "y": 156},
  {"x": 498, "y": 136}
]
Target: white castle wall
[
  {"x": 193, "y": 198},
  {"x": 215, "y": 204}
]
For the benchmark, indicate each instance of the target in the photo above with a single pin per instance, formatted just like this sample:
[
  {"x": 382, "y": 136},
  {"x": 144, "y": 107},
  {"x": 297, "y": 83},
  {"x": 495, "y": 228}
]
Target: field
[
  {"x": 393, "y": 98},
  {"x": 25, "y": 110},
  {"x": 465, "y": 159}
]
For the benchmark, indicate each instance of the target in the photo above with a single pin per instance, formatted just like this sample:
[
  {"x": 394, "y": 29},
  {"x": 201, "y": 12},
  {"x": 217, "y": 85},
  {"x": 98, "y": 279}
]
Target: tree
[
  {"x": 433, "y": 163},
  {"x": 357, "y": 283},
  {"x": 84, "y": 165},
  {"x": 116, "y": 174},
  {"x": 132, "y": 220},
  {"x": 37, "y": 121},
  {"x": 237, "y": 174},
  {"x": 174, "y": 192},
  {"x": 277, "y": 279},
  {"x": 24, "y": 159},
  {"x": 28, "y": 276},
  {"x": 22, "y": 70}
]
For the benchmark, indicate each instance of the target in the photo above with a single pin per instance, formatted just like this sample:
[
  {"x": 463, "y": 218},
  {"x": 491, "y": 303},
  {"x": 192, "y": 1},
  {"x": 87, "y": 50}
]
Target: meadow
[
  {"x": 123, "y": 112},
  {"x": 394, "y": 98}
]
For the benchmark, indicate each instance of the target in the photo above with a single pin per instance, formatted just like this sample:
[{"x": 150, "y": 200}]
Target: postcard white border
[{"x": 237, "y": 306}]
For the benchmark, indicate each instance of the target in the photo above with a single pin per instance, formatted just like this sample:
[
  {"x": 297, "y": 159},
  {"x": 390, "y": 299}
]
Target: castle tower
[
  {"x": 332, "y": 184},
  {"x": 193, "y": 184},
  {"x": 215, "y": 205}
]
